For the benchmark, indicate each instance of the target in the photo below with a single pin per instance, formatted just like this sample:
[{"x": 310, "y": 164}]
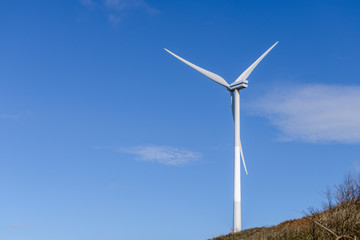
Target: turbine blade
[
  {"x": 248, "y": 71},
  {"x": 207, "y": 73},
  {"x": 232, "y": 104},
  {"x": 243, "y": 159}
]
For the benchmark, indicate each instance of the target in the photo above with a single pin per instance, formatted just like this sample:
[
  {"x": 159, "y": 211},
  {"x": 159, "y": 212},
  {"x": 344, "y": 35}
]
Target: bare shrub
[{"x": 338, "y": 220}]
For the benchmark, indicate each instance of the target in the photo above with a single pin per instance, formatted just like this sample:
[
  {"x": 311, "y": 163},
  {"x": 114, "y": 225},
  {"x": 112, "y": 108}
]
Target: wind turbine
[{"x": 240, "y": 83}]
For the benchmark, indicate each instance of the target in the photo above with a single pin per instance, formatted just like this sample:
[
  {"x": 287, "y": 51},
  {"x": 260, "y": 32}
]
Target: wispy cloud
[
  {"x": 115, "y": 19},
  {"x": 356, "y": 167},
  {"x": 10, "y": 116},
  {"x": 15, "y": 116},
  {"x": 20, "y": 225},
  {"x": 170, "y": 156},
  {"x": 116, "y": 8},
  {"x": 115, "y": 186},
  {"x": 313, "y": 113},
  {"x": 121, "y": 5}
]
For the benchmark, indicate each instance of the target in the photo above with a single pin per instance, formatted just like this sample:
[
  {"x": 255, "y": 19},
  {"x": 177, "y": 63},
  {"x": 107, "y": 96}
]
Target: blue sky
[{"x": 106, "y": 136}]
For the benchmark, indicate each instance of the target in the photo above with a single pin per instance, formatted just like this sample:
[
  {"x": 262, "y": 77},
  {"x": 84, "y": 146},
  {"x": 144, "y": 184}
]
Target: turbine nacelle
[{"x": 238, "y": 85}]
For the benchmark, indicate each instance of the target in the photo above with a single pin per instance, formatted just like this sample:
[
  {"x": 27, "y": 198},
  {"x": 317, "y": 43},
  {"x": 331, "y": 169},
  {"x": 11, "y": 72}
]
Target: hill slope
[{"x": 336, "y": 221}]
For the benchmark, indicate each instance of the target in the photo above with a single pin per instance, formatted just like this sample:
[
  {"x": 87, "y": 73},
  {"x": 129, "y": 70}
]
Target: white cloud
[
  {"x": 114, "y": 19},
  {"x": 15, "y": 116},
  {"x": 314, "y": 113},
  {"x": 166, "y": 155},
  {"x": 115, "y": 9},
  {"x": 115, "y": 186},
  {"x": 20, "y": 225},
  {"x": 356, "y": 167},
  {"x": 10, "y": 116},
  {"x": 120, "y": 5}
]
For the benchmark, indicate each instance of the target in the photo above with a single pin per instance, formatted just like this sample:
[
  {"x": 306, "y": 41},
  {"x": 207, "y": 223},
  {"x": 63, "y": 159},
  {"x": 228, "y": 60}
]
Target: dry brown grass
[{"x": 339, "y": 219}]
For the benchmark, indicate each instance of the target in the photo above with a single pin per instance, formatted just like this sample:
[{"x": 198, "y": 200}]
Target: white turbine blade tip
[
  {"x": 248, "y": 71},
  {"x": 212, "y": 76},
  {"x": 243, "y": 159},
  {"x": 242, "y": 156}
]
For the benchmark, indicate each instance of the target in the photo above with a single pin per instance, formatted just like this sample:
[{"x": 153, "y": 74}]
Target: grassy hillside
[{"x": 339, "y": 219}]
